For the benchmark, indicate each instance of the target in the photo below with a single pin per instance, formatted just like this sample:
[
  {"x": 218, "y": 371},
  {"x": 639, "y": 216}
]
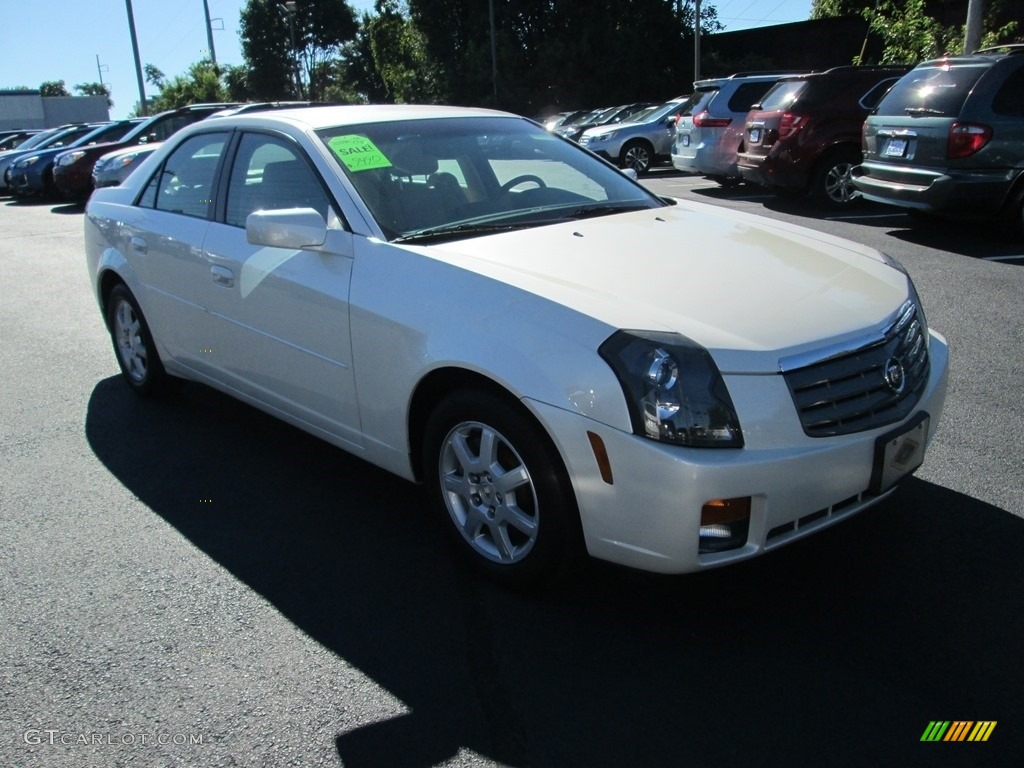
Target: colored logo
[{"x": 958, "y": 730}]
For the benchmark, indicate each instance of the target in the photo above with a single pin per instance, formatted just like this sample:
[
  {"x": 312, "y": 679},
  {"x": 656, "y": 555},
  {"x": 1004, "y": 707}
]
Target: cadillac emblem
[{"x": 894, "y": 375}]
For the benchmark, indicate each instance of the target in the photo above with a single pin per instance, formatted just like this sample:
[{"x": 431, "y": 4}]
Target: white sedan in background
[{"x": 568, "y": 362}]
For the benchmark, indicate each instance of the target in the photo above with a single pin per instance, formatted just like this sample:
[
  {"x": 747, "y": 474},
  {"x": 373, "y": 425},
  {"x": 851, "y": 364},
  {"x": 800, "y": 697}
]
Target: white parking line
[
  {"x": 864, "y": 216},
  {"x": 1018, "y": 257}
]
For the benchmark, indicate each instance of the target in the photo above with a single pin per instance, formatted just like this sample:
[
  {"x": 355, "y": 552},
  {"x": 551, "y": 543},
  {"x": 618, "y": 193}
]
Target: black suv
[
  {"x": 805, "y": 134},
  {"x": 949, "y": 138}
]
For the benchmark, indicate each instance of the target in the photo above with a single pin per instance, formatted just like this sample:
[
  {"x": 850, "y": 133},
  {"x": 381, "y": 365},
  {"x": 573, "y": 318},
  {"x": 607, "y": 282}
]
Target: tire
[
  {"x": 1012, "y": 219},
  {"x": 501, "y": 490},
  {"x": 832, "y": 182},
  {"x": 133, "y": 344},
  {"x": 638, "y": 155}
]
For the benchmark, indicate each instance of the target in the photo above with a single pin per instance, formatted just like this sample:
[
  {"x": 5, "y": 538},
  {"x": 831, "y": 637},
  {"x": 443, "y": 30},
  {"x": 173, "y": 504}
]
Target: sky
[{"x": 61, "y": 39}]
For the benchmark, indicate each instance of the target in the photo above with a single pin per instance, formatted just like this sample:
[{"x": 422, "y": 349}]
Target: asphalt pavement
[{"x": 189, "y": 582}]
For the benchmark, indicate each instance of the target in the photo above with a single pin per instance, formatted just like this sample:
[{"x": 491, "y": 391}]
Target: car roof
[{"x": 356, "y": 114}]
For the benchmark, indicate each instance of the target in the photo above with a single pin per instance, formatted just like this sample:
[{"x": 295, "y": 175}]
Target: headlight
[
  {"x": 605, "y": 136},
  {"x": 25, "y": 162},
  {"x": 70, "y": 158},
  {"x": 674, "y": 390},
  {"x": 914, "y": 297}
]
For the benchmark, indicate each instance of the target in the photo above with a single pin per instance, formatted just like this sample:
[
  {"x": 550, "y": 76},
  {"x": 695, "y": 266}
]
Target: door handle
[
  {"x": 139, "y": 245},
  {"x": 222, "y": 276}
]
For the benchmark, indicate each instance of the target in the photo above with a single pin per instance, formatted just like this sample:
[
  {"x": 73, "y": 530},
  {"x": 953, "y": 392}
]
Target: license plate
[
  {"x": 686, "y": 141},
  {"x": 755, "y": 135},
  {"x": 899, "y": 453},
  {"x": 896, "y": 148}
]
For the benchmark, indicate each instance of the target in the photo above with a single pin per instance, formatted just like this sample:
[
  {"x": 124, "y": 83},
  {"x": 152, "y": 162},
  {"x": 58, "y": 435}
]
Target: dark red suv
[{"x": 804, "y": 136}]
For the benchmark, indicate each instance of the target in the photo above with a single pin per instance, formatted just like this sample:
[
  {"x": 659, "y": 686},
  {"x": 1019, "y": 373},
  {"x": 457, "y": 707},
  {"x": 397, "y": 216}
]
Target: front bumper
[
  {"x": 74, "y": 181},
  {"x": 649, "y": 516}
]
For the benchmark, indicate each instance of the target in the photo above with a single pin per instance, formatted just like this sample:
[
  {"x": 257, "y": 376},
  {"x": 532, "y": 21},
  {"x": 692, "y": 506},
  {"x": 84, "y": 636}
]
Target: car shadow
[
  {"x": 67, "y": 208},
  {"x": 837, "y": 650}
]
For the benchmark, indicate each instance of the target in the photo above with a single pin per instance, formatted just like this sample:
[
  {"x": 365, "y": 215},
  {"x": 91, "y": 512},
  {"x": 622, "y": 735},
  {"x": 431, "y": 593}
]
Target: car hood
[{"x": 749, "y": 289}]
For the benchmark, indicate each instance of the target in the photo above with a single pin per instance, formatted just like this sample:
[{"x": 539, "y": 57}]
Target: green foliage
[
  {"x": 200, "y": 84},
  {"x": 53, "y": 88},
  {"x": 406, "y": 72},
  {"x": 95, "y": 89},
  {"x": 908, "y": 33},
  {"x": 320, "y": 28}
]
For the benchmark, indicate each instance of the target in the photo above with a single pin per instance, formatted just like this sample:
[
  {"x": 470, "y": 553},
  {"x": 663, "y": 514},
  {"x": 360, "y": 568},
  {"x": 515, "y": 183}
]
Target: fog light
[{"x": 724, "y": 524}]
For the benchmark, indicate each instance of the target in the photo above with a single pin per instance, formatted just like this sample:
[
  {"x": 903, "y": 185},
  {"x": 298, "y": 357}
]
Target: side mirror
[
  {"x": 631, "y": 173},
  {"x": 286, "y": 228}
]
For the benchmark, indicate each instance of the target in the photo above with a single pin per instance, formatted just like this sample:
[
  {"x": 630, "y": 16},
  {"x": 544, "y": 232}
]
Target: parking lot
[{"x": 190, "y": 582}]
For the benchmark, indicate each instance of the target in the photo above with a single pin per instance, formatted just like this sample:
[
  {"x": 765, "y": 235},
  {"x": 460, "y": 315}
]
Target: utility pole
[
  {"x": 494, "y": 53},
  {"x": 100, "y": 69},
  {"x": 138, "y": 61},
  {"x": 696, "y": 41},
  {"x": 972, "y": 37},
  {"x": 209, "y": 33}
]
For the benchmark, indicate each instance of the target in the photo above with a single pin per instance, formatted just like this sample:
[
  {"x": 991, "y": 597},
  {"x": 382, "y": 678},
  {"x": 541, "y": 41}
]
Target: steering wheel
[{"x": 511, "y": 184}]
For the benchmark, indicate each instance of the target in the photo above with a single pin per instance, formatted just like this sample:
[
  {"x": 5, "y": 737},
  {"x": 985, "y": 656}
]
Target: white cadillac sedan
[{"x": 568, "y": 362}]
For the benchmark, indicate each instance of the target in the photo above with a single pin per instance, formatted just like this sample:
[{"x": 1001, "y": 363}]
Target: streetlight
[{"x": 289, "y": 8}]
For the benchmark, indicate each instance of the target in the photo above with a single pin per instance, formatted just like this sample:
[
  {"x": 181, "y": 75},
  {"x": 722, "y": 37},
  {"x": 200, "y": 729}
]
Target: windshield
[
  {"x": 932, "y": 90},
  {"x": 469, "y": 175}
]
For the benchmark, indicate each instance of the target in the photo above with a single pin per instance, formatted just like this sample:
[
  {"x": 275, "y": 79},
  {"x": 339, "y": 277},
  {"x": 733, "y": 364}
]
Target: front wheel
[
  {"x": 501, "y": 489},
  {"x": 638, "y": 155}
]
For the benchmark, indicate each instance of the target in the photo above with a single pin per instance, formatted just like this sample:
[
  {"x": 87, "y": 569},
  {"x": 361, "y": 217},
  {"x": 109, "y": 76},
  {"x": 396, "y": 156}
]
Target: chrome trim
[{"x": 893, "y": 324}]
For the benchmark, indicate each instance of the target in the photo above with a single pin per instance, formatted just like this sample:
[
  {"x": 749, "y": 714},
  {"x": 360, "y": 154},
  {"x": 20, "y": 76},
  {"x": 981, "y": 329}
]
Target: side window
[
  {"x": 165, "y": 128},
  {"x": 1009, "y": 99},
  {"x": 184, "y": 184},
  {"x": 870, "y": 99},
  {"x": 747, "y": 94},
  {"x": 270, "y": 173}
]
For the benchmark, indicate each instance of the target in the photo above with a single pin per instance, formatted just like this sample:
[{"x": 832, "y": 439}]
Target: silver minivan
[{"x": 709, "y": 134}]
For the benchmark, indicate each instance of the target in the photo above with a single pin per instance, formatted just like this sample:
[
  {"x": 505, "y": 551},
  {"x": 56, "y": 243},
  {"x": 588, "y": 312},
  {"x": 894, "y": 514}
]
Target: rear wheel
[
  {"x": 638, "y": 155},
  {"x": 832, "y": 182},
  {"x": 501, "y": 489},
  {"x": 133, "y": 344}
]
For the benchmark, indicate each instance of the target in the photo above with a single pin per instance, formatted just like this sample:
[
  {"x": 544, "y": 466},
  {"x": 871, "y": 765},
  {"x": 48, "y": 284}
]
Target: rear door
[{"x": 165, "y": 233}]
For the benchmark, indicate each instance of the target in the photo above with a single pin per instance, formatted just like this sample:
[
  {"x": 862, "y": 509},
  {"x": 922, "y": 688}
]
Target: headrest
[{"x": 411, "y": 160}]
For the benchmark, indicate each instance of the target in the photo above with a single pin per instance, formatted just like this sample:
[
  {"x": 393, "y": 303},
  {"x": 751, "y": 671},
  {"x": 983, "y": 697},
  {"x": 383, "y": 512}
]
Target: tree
[
  {"x": 95, "y": 89},
  {"x": 921, "y": 29},
  {"x": 321, "y": 27},
  {"x": 405, "y": 71},
  {"x": 200, "y": 84},
  {"x": 53, "y": 88}
]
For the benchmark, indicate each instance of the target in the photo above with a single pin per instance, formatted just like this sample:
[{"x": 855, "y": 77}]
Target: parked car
[
  {"x": 114, "y": 167},
  {"x": 11, "y": 139},
  {"x": 72, "y": 171},
  {"x": 611, "y": 116},
  {"x": 453, "y": 296},
  {"x": 949, "y": 138},
  {"x": 55, "y": 137},
  {"x": 32, "y": 174},
  {"x": 708, "y": 136},
  {"x": 640, "y": 143},
  {"x": 568, "y": 127},
  {"x": 804, "y": 136}
]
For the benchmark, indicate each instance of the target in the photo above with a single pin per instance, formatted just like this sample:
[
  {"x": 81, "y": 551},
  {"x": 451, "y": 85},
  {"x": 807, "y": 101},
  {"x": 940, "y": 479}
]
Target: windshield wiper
[
  {"x": 454, "y": 231},
  {"x": 591, "y": 211},
  {"x": 917, "y": 111}
]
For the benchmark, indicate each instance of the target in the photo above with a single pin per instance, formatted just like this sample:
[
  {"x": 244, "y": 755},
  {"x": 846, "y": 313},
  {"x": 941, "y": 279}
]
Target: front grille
[{"x": 877, "y": 384}]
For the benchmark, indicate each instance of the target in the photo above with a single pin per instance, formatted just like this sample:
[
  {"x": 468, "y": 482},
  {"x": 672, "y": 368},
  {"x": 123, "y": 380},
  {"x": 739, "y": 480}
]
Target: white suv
[
  {"x": 638, "y": 145},
  {"x": 709, "y": 134}
]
